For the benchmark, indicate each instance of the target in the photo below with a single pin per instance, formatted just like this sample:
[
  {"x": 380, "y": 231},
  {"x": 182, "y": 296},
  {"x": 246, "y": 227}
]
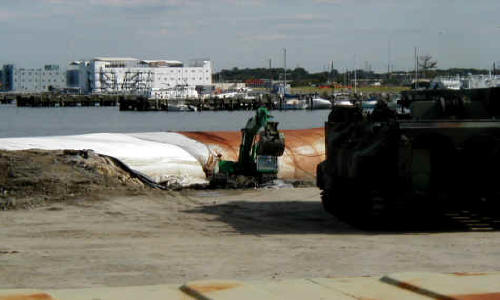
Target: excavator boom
[{"x": 258, "y": 153}]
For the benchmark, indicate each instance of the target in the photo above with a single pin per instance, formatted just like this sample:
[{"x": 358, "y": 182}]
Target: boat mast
[
  {"x": 416, "y": 68},
  {"x": 270, "y": 76},
  {"x": 388, "y": 58},
  {"x": 284, "y": 67},
  {"x": 355, "y": 76}
]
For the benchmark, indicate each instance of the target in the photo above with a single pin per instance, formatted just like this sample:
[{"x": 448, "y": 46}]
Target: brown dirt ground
[
  {"x": 36, "y": 177},
  {"x": 142, "y": 237}
]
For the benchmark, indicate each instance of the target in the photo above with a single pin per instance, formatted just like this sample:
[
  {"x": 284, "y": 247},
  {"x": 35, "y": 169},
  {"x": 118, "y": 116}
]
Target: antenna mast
[{"x": 284, "y": 66}]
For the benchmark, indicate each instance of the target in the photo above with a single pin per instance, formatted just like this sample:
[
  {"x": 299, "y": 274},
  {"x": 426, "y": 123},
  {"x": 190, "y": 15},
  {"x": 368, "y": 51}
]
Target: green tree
[{"x": 426, "y": 63}]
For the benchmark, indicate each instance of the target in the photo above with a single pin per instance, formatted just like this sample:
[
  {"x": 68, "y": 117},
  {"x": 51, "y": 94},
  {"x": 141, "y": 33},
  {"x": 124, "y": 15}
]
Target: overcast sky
[{"x": 244, "y": 33}]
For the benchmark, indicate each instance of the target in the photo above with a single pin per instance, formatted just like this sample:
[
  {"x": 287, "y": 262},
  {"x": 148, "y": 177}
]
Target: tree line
[{"x": 301, "y": 77}]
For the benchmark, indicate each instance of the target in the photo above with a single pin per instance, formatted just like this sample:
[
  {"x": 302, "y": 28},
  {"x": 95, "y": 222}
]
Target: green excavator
[{"x": 258, "y": 154}]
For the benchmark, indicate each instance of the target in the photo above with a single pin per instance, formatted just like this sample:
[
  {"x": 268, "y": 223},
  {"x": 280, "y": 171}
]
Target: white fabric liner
[{"x": 163, "y": 156}]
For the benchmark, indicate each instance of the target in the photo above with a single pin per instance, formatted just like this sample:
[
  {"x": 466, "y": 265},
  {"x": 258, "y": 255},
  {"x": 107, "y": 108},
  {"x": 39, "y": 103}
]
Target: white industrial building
[
  {"x": 48, "y": 78},
  {"x": 166, "y": 79},
  {"x": 152, "y": 78},
  {"x": 466, "y": 82}
]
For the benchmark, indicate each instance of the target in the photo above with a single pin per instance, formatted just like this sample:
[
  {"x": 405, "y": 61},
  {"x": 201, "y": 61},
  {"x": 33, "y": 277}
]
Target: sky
[{"x": 246, "y": 33}]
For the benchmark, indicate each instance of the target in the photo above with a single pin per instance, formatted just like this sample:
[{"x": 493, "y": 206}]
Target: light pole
[
  {"x": 355, "y": 76},
  {"x": 284, "y": 77},
  {"x": 416, "y": 68}
]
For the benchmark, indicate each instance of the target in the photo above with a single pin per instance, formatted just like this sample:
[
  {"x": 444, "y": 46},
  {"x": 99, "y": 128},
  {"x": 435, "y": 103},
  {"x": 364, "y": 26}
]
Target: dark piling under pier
[
  {"x": 130, "y": 103},
  {"x": 61, "y": 100},
  {"x": 141, "y": 103}
]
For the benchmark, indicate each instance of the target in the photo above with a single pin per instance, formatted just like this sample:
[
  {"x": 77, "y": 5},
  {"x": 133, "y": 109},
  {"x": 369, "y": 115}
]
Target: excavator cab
[
  {"x": 269, "y": 147},
  {"x": 258, "y": 155}
]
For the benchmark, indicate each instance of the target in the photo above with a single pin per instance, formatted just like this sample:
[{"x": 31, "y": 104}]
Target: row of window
[
  {"x": 38, "y": 73},
  {"x": 32, "y": 88},
  {"x": 172, "y": 78},
  {"x": 36, "y": 80},
  {"x": 163, "y": 73}
]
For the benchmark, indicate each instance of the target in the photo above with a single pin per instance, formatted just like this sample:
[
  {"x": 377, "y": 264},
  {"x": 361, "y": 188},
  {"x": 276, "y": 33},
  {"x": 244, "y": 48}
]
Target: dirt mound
[{"x": 34, "y": 177}]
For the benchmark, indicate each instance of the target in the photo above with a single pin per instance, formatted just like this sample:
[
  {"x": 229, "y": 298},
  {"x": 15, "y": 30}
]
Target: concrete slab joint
[{"x": 408, "y": 286}]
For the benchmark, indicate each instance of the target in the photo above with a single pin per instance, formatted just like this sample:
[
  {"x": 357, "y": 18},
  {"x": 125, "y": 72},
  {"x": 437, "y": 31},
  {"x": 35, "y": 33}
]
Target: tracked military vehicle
[{"x": 446, "y": 151}]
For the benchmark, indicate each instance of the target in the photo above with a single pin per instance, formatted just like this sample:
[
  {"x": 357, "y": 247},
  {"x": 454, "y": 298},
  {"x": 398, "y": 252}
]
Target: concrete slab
[
  {"x": 304, "y": 289},
  {"x": 484, "y": 286},
  {"x": 222, "y": 290},
  {"x": 156, "y": 292},
  {"x": 408, "y": 286},
  {"x": 367, "y": 288}
]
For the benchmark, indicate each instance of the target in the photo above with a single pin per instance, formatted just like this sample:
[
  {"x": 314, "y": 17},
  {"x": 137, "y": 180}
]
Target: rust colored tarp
[{"x": 304, "y": 149}]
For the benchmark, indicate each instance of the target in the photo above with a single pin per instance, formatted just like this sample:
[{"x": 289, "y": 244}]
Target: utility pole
[
  {"x": 331, "y": 72},
  {"x": 284, "y": 66},
  {"x": 348, "y": 76},
  {"x": 355, "y": 81},
  {"x": 270, "y": 76},
  {"x": 355, "y": 76},
  {"x": 389, "y": 58},
  {"x": 328, "y": 74},
  {"x": 416, "y": 68}
]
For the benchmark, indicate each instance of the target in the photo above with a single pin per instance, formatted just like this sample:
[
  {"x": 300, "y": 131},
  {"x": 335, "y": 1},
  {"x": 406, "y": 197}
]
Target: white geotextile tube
[{"x": 163, "y": 156}]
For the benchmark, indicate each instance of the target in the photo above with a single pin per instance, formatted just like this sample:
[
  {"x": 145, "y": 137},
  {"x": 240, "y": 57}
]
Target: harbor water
[{"x": 30, "y": 122}]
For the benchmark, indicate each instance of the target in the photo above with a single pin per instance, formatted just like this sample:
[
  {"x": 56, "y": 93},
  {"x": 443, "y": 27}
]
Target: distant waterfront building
[
  {"x": 50, "y": 77},
  {"x": 108, "y": 75},
  {"x": 152, "y": 78},
  {"x": 466, "y": 82}
]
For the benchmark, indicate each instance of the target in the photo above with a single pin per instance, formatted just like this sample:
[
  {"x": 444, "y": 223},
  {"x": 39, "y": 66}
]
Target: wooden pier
[
  {"x": 61, "y": 100},
  {"x": 7, "y": 99},
  {"x": 128, "y": 103},
  {"x": 140, "y": 103}
]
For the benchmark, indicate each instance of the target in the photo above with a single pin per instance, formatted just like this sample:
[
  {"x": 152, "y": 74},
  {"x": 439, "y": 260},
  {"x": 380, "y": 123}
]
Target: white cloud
[
  {"x": 306, "y": 17},
  {"x": 329, "y": 1},
  {"x": 11, "y": 15},
  {"x": 159, "y": 3},
  {"x": 140, "y": 2},
  {"x": 122, "y": 3},
  {"x": 264, "y": 37},
  {"x": 5, "y": 15},
  {"x": 245, "y": 2}
]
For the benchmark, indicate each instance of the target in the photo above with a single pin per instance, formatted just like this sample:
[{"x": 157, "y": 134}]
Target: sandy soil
[
  {"x": 173, "y": 237},
  {"x": 32, "y": 178}
]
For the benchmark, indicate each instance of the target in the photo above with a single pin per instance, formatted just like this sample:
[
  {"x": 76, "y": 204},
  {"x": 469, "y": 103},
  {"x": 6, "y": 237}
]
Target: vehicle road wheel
[{"x": 327, "y": 201}]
